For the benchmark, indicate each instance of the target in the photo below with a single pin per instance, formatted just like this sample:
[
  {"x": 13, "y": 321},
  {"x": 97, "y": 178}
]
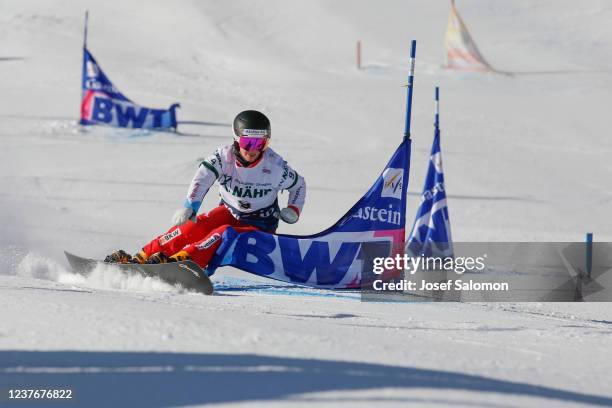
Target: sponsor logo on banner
[
  {"x": 92, "y": 69},
  {"x": 169, "y": 236},
  {"x": 110, "y": 111},
  {"x": 429, "y": 194},
  {"x": 392, "y": 183},
  {"x": 209, "y": 242},
  {"x": 313, "y": 262},
  {"x": 437, "y": 162},
  {"x": 388, "y": 216}
]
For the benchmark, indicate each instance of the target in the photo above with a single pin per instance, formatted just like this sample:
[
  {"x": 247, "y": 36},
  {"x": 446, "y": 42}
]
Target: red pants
[{"x": 199, "y": 239}]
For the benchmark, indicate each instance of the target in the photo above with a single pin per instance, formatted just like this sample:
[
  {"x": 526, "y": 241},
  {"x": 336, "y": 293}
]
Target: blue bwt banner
[
  {"x": 431, "y": 233},
  {"x": 103, "y": 104},
  {"x": 338, "y": 257}
]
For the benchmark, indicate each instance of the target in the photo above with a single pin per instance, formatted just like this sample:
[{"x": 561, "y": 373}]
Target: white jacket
[{"x": 246, "y": 190}]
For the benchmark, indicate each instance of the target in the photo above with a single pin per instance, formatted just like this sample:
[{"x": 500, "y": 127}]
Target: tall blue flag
[
  {"x": 431, "y": 233},
  {"x": 340, "y": 256},
  {"x": 103, "y": 104}
]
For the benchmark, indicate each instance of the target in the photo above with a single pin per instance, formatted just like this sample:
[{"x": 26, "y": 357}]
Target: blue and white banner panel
[
  {"x": 338, "y": 257},
  {"x": 103, "y": 104},
  {"x": 431, "y": 233}
]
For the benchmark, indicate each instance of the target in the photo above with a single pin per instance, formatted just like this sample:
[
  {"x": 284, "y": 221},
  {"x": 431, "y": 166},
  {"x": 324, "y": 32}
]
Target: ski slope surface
[{"x": 526, "y": 158}]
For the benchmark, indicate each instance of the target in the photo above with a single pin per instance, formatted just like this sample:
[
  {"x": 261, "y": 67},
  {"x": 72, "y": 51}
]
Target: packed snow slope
[{"x": 525, "y": 156}]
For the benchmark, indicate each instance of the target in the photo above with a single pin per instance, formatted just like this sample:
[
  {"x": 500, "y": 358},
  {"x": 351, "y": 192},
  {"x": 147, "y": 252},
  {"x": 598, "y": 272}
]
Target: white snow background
[{"x": 526, "y": 158}]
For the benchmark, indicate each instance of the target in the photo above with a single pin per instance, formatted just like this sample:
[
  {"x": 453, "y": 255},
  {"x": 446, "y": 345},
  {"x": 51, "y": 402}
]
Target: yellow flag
[{"x": 461, "y": 50}]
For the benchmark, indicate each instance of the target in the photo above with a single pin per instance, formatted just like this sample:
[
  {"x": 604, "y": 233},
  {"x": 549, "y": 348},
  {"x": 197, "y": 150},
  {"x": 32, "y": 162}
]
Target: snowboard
[{"x": 186, "y": 273}]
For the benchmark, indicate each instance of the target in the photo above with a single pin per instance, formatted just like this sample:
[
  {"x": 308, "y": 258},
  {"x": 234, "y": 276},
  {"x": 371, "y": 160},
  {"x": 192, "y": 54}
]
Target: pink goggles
[{"x": 249, "y": 143}]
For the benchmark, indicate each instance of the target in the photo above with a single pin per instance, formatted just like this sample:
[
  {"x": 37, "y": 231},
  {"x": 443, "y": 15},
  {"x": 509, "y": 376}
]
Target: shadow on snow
[{"x": 146, "y": 379}]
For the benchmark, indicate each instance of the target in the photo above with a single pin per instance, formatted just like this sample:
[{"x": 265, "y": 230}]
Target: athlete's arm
[
  {"x": 296, "y": 185},
  {"x": 208, "y": 171}
]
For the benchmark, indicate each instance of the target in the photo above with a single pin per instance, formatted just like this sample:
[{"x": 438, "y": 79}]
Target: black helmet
[{"x": 251, "y": 123}]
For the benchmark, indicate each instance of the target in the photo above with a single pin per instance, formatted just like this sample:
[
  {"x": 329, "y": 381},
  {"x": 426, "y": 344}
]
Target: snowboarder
[{"x": 250, "y": 176}]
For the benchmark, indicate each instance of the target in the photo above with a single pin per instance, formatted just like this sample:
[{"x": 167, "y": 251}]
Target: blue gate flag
[
  {"x": 103, "y": 104},
  {"x": 431, "y": 233},
  {"x": 338, "y": 257}
]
